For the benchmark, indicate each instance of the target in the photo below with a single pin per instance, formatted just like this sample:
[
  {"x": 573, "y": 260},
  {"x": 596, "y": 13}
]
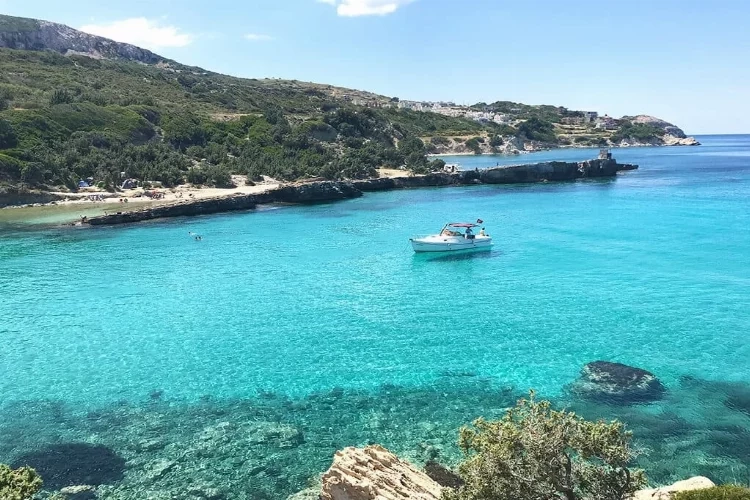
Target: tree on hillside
[
  {"x": 60, "y": 96},
  {"x": 8, "y": 137},
  {"x": 184, "y": 130},
  {"x": 536, "y": 453},
  {"x": 538, "y": 130}
]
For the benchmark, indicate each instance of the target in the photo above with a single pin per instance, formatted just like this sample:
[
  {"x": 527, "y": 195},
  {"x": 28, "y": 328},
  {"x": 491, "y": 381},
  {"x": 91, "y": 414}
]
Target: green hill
[
  {"x": 66, "y": 118},
  {"x": 113, "y": 110}
]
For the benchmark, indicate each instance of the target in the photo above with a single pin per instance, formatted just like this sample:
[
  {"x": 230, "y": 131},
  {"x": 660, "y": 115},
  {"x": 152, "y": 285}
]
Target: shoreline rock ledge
[
  {"x": 617, "y": 383},
  {"x": 666, "y": 492},
  {"x": 374, "y": 473}
]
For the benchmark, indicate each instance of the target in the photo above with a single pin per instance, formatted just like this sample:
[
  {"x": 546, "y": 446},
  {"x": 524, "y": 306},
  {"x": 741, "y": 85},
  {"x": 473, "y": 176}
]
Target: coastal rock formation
[
  {"x": 617, "y": 383},
  {"x": 31, "y": 34},
  {"x": 198, "y": 207},
  {"x": 552, "y": 171},
  {"x": 673, "y": 140},
  {"x": 325, "y": 191},
  {"x": 657, "y": 122},
  {"x": 374, "y": 473},
  {"x": 673, "y": 135},
  {"x": 666, "y": 492},
  {"x": 315, "y": 192}
]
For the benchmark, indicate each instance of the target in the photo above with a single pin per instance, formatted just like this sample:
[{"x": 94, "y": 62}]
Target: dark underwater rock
[
  {"x": 71, "y": 464},
  {"x": 617, "y": 383},
  {"x": 442, "y": 475},
  {"x": 739, "y": 401}
]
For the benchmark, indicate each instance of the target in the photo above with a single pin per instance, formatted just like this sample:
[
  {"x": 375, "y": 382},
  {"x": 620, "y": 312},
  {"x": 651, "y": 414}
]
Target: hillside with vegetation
[{"x": 74, "y": 106}]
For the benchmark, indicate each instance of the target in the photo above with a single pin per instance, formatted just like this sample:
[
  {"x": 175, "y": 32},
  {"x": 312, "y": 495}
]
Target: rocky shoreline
[
  {"x": 325, "y": 191},
  {"x": 373, "y": 472}
]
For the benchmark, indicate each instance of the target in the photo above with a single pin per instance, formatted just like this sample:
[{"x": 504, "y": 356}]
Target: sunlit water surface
[{"x": 238, "y": 364}]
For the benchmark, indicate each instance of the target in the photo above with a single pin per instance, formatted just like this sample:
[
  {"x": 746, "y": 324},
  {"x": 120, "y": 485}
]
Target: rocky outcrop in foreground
[
  {"x": 374, "y": 473},
  {"x": 617, "y": 383},
  {"x": 666, "y": 492}
]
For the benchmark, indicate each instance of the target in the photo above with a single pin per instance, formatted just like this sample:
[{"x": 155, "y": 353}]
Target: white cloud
[
  {"x": 142, "y": 32},
  {"x": 354, "y": 8},
  {"x": 257, "y": 37}
]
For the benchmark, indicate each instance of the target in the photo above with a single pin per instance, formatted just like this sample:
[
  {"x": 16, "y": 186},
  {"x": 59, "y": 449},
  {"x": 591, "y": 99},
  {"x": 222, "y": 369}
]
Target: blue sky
[{"x": 682, "y": 60}]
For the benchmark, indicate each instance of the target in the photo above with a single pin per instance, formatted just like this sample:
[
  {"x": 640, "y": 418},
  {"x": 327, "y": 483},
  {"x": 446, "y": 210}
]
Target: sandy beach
[
  {"x": 141, "y": 196},
  {"x": 91, "y": 202}
]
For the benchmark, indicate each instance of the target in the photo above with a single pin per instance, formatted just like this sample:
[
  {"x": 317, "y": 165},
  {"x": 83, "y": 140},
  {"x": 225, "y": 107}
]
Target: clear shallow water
[{"x": 275, "y": 309}]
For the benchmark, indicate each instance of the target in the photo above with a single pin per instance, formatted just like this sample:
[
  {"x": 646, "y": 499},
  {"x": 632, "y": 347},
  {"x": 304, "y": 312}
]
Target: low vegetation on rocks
[
  {"x": 18, "y": 484},
  {"x": 723, "y": 492},
  {"x": 535, "y": 453}
]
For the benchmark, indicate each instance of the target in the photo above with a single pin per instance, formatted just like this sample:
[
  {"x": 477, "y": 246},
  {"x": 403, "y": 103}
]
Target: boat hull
[{"x": 439, "y": 244}]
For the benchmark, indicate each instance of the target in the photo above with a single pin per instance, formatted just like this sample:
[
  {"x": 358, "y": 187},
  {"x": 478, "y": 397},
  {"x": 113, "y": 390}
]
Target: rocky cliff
[{"x": 31, "y": 34}]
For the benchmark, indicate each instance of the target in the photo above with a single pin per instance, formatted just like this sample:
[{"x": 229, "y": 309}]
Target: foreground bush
[
  {"x": 536, "y": 453},
  {"x": 724, "y": 492},
  {"x": 18, "y": 484}
]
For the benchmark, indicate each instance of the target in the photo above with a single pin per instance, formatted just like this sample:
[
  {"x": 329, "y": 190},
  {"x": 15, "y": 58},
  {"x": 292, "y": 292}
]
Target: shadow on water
[
  {"x": 458, "y": 256},
  {"x": 72, "y": 464}
]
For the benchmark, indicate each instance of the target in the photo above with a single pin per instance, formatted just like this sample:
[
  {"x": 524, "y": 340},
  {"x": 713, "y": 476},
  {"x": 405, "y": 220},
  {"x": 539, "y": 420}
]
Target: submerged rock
[
  {"x": 666, "y": 492},
  {"x": 72, "y": 464},
  {"x": 374, "y": 473},
  {"x": 80, "y": 492},
  {"x": 617, "y": 383}
]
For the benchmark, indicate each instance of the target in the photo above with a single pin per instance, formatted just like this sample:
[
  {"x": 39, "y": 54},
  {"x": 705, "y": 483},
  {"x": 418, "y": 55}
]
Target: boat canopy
[{"x": 462, "y": 224}]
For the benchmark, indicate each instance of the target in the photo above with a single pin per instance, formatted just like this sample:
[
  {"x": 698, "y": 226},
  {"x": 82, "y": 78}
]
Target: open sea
[{"x": 154, "y": 366}]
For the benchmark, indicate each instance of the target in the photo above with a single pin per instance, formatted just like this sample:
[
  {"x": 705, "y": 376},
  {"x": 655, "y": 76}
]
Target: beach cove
[{"x": 293, "y": 332}]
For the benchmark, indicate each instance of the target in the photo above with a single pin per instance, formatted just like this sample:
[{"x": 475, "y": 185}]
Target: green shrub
[
  {"x": 60, "y": 96},
  {"x": 638, "y": 131},
  {"x": 10, "y": 168},
  {"x": 18, "y": 484},
  {"x": 723, "y": 492},
  {"x": 538, "y": 130},
  {"x": 535, "y": 453},
  {"x": 8, "y": 138},
  {"x": 473, "y": 145}
]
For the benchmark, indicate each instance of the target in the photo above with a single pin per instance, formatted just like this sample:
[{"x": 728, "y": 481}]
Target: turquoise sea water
[{"x": 294, "y": 331}]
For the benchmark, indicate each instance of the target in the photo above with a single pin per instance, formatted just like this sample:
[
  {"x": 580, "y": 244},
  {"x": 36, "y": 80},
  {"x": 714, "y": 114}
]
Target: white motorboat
[{"x": 454, "y": 236}]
